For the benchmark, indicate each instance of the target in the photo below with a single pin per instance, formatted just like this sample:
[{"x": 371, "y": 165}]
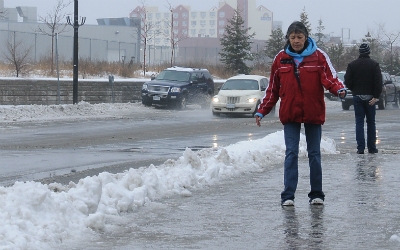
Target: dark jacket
[
  {"x": 302, "y": 99},
  {"x": 363, "y": 77}
]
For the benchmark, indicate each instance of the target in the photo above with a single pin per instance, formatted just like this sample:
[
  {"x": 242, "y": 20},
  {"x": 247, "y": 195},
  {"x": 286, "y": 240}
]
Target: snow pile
[
  {"x": 38, "y": 216},
  {"x": 52, "y": 112}
]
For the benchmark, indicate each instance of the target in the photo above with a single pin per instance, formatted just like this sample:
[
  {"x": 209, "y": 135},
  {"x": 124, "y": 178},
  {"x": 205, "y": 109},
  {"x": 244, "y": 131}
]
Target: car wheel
[
  {"x": 345, "y": 107},
  {"x": 396, "y": 103},
  {"x": 382, "y": 102},
  {"x": 216, "y": 114},
  {"x": 146, "y": 102}
]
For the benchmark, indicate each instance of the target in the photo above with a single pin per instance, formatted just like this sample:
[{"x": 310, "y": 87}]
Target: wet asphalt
[
  {"x": 361, "y": 211},
  {"x": 361, "y": 208}
]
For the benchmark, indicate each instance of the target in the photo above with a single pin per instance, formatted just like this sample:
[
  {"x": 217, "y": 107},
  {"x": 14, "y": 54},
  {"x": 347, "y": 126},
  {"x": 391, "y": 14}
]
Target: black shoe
[
  {"x": 360, "y": 152},
  {"x": 373, "y": 151}
]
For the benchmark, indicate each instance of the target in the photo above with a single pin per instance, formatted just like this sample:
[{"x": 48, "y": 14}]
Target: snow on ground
[{"x": 39, "y": 216}]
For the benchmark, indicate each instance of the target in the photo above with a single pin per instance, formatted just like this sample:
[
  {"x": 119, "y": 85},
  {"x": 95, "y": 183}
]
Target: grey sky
[{"x": 358, "y": 16}]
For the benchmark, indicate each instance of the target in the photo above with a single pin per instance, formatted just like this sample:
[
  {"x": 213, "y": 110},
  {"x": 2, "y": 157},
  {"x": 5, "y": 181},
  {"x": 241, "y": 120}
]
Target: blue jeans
[
  {"x": 363, "y": 110},
  {"x": 291, "y": 174}
]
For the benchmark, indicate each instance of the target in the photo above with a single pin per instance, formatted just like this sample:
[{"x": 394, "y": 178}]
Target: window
[
  {"x": 157, "y": 40},
  {"x": 212, "y": 22},
  {"x": 184, "y": 23},
  {"x": 202, "y": 32},
  {"x": 175, "y": 15},
  {"x": 158, "y": 15},
  {"x": 166, "y": 15},
  {"x": 212, "y": 14},
  {"x": 202, "y": 23},
  {"x": 194, "y": 14},
  {"x": 184, "y": 31},
  {"x": 184, "y": 15},
  {"x": 222, "y": 14},
  {"x": 150, "y": 15},
  {"x": 176, "y": 24},
  {"x": 193, "y": 23},
  {"x": 221, "y": 31},
  {"x": 212, "y": 32},
  {"x": 193, "y": 32},
  {"x": 264, "y": 83},
  {"x": 203, "y": 14},
  {"x": 221, "y": 23}
]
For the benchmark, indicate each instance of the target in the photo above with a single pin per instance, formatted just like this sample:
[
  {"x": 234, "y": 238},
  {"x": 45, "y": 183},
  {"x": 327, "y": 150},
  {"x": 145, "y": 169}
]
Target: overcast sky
[{"x": 356, "y": 16}]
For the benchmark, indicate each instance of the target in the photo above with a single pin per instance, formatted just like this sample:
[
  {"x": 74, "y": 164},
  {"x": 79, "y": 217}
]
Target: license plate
[
  {"x": 230, "y": 105},
  {"x": 156, "y": 98}
]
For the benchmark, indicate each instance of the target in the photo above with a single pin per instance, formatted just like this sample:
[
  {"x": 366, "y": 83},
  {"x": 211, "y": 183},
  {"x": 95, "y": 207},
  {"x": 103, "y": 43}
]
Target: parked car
[
  {"x": 178, "y": 86},
  {"x": 240, "y": 95},
  {"x": 390, "y": 93}
]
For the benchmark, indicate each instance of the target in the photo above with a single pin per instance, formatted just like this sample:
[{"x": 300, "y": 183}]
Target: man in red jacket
[{"x": 299, "y": 74}]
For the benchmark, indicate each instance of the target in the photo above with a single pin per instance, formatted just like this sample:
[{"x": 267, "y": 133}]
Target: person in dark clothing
[
  {"x": 299, "y": 74},
  {"x": 364, "y": 78}
]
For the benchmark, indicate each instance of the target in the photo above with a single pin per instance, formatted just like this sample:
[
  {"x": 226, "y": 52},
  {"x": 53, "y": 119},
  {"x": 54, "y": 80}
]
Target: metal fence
[
  {"x": 105, "y": 50},
  {"x": 40, "y": 47}
]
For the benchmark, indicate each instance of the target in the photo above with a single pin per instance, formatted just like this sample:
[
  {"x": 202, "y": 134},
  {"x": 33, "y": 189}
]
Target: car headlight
[
  {"x": 175, "y": 89},
  {"x": 215, "y": 99},
  {"x": 144, "y": 87},
  {"x": 252, "y": 100}
]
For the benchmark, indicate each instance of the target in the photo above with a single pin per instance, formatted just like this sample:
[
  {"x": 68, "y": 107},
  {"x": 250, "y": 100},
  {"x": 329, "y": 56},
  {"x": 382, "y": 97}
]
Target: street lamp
[
  {"x": 76, "y": 25},
  {"x": 347, "y": 30}
]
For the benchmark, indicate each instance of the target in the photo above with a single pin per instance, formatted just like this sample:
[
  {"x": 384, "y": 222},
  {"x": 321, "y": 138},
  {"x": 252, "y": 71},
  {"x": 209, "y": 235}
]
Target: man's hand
[
  {"x": 258, "y": 120},
  {"x": 342, "y": 94},
  {"x": 372, "y": 101}
]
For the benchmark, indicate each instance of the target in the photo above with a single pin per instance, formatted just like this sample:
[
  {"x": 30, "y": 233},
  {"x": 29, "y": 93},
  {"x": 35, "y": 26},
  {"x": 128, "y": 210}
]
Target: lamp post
[
  {"x": 344, "y": 31},
  {"x": 76, "y": 25}
]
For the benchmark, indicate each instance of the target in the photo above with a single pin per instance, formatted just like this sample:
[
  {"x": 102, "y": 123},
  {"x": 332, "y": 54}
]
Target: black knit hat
[
  {"x": 364, "y": 48},
  {"x": 297, "y": 27}
]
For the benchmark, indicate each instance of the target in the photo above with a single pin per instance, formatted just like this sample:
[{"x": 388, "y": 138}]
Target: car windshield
[
  {"x": 240, "y": 84},
  {"x": 173, "y": 75}
]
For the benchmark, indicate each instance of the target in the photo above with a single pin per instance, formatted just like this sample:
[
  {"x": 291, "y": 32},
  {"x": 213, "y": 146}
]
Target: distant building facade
[{"x": 188, "y": 23}]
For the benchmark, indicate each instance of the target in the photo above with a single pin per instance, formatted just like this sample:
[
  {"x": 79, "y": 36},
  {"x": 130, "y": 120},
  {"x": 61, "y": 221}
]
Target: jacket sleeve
[
  {"x": 271, "y": 95},
  {"x": 329, "y": 77},
  {"x": 377, "y": 82},
  {"x": 348, "y": 78}
]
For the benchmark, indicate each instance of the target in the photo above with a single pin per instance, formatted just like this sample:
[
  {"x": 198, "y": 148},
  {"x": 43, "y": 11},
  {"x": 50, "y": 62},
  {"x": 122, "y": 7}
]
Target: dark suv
[
  {"x": 178, "y": 86},
  {"x": 389, "y": 93}
]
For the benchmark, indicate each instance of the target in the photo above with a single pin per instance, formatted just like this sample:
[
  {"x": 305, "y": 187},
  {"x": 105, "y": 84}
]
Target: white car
[{"x": 240, "y": 95}]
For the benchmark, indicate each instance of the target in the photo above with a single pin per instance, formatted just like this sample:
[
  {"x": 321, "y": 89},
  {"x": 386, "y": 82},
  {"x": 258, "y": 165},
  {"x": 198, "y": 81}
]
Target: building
[
  {"x": 113, "y": 40},
  {"x": 187, "y": 23}
]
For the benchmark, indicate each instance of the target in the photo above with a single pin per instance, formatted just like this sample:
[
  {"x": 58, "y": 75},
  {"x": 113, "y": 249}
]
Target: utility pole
[{"x": 76, "y": 25}]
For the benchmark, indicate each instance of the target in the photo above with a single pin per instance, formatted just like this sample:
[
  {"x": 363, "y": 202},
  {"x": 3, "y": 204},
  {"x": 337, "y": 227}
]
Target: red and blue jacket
[{"x": 300, "y": 87}]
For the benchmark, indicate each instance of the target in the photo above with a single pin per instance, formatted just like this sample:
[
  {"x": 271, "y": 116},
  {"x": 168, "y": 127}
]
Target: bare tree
[
  {"x": 149, "y": 30},
  {"x": 3, "y": 14},
  {"x": 389, "y": 38},
  {"x": 17, "y": 53},
  {"x": 175, "y": 36},
  {"x": 55, "y": 24}
]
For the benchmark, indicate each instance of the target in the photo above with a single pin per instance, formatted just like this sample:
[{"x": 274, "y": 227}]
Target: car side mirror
[
  {"x": 194, "y": 81},
  {"x": 262, "y": 88}
]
